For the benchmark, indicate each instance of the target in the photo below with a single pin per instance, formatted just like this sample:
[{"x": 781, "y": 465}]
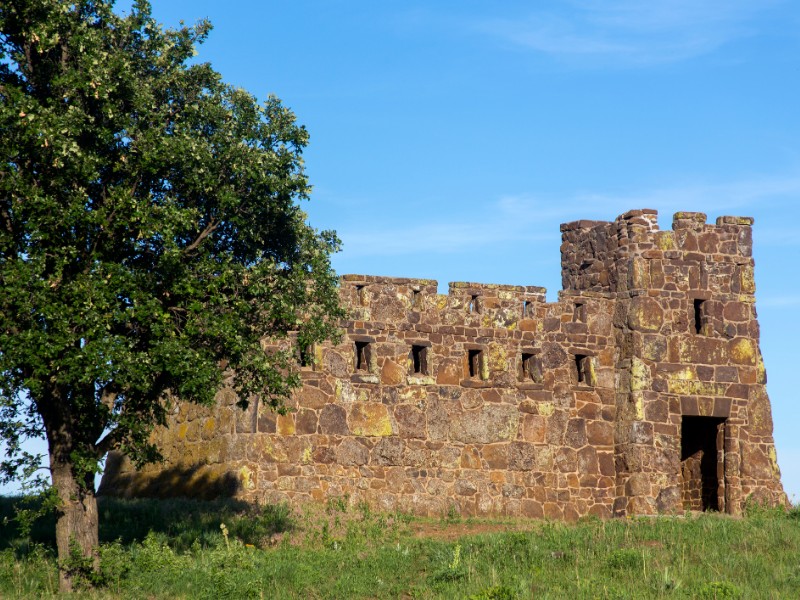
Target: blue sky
[{"x": 449, "y": 139}]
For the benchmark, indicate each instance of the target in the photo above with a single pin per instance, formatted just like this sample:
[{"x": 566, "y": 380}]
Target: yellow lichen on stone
[
  {"x": 285, "y": 425},
  {"x": 640, "y": 375},
  {"x": 307, "y": 457},
  {"x": 665, "y": 240},
  {"x": 498, "y": 359},
  {"x": 509, "y": 432},
  {"x": 653, "y": 350},
  {"x": 684, "y": 374},
  {"x": 747, "y": 280},
  {"x": 262, "y": 445},
  {"x": 590, "y": 371},
  {"x": 743, "y": 352},
  {"x": 413, "y": 393},
  {"x": 696, "y": 388},
  {"x": 762, "y": 370},
  {"x": 638, "y": 406},
  {"x": 370, "y": 420},
  {"x": 182, "y": 429},
  {"x": 645, "y": 314},
  {"x": 546, "y": 409},
  {"x": 345, "y": 392},
  {"x": 441, "y": 301},
  {"x": 639, "y": 274},
  {"x": 209, "y": 425},
  {"x": 773, "y": 458},
  {"x": 246, "y": 477}
]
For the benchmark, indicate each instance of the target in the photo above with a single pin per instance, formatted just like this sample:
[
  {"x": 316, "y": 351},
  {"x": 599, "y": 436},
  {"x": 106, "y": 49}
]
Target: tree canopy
[{"x": 150, "y": 233}]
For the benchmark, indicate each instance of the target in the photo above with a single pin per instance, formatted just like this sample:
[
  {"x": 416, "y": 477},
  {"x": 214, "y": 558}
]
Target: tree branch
[{"x": 209, "y": 229}]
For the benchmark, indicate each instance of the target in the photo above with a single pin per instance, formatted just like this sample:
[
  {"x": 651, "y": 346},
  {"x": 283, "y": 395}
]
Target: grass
[{"x": 178, "y": 549}]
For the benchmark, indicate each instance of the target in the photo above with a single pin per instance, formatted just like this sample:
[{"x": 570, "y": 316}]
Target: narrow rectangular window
[
  {"x": 361, "y": 293},
  {"x": 527, "y": 307},
  {"x": 363, "y": 355},
  {"x": 419, "y": 359},
  {"x": 416, "y": 299},
  {"x": 474, "y": 304},
  {"x": 699, "y": 314},
  {"x": 531, "y": 368},
  {"x": 474, "y": 359},
  {"x": 580, "y": 365},
  {"x": 585, "y": 370},
  {"x": 579, "y": 314}
]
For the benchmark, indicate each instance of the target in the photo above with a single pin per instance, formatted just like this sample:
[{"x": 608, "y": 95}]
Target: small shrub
[
  {"x": 497, "y": 592},
  {"x": 625, "y": 559},
  {"x": 115, "y": 563},
  {"x": 153, "y": 554},
  {"x": 452, "y": 516},
  {"x": 718, "y": 590}
]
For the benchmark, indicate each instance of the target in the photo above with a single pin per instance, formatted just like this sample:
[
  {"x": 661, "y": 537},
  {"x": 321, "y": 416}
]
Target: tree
[{"x": 149, "y": 238}]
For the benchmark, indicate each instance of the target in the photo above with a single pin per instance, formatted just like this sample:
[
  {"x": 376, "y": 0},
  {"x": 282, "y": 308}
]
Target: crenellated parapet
[{"x": 640, "y": 390}]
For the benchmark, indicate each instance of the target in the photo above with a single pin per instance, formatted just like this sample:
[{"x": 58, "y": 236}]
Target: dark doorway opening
[{"x": 703, "y": 463}]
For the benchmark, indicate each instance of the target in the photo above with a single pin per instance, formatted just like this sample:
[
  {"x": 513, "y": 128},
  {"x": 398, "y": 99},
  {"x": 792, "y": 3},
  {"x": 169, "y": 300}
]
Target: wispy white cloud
[
  {"x": 506, "y": 219},
  {"x": 719, "y": 197},
  {"x": 779, "y": 302},
  {"x": 629, "y": 32},
  {"x": 533, "y": 218}
]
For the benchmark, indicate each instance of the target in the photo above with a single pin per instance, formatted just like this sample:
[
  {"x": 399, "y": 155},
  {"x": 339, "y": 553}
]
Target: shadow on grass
[{"x": 180, "y": 522}]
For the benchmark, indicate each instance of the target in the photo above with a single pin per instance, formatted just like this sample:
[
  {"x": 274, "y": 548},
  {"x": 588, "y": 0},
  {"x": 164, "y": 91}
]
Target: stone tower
[{"x": 640, "y": 391}]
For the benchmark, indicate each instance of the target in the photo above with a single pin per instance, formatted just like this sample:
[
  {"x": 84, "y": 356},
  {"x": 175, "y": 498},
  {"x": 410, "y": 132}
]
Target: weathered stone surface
[
  {"x": 450, "y": 372},
  {"x": 521, "y": 456},
  {"x": 491, "y": 423},
  {"x": 311, "y": 397},
  {"x": 333, "y": 420},
  {"x": 494, "y": 401},
  {"x": 645, "y": 314},
  {"x": 496, "y": 456},
  {"x": 306, "y": 421},
  {"x": 389, "y": 451},
  {"x": 392, "y": 373},
  {"x": 410, "y": 421},
  {"x": 351, "y": 452},
  {"x": 370, "y": 420}
]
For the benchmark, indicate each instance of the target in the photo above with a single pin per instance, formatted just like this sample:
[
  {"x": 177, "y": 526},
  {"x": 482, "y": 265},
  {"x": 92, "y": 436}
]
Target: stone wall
[{"x": 490, "y": 400}]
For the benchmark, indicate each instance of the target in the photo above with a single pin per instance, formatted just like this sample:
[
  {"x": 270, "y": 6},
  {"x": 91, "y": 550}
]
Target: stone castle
[{"x": 640, "y": 391}]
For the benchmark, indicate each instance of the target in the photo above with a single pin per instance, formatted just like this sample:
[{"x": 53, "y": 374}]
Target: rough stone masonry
[{"x": 640, "y": 391}]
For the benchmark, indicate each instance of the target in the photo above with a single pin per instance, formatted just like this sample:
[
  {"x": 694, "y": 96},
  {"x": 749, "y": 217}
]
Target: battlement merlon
[
  {"x": 388, "y": 299},
  {"x": 603, "y": 256}
]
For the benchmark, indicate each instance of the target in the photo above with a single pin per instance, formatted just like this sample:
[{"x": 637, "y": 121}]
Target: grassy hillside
[{"x": 184, "y": 549}]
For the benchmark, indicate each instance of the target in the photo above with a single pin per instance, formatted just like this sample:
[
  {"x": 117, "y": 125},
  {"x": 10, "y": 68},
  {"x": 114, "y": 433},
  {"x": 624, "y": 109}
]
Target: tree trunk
[{"x": 77, "y": 519}]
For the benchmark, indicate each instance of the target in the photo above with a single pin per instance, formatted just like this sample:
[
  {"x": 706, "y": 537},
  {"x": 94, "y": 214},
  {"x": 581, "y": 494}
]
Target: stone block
[
  {"x": 411, "y": 422},
  {"x": 488, "y": 424},
  {"x": 333, "y": 420},
  {"x": 645, "y": 315},
  {"x": 370, "y": 420}
]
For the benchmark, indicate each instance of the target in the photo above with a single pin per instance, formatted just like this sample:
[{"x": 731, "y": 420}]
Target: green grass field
[{"x": 180, "y": 549}]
